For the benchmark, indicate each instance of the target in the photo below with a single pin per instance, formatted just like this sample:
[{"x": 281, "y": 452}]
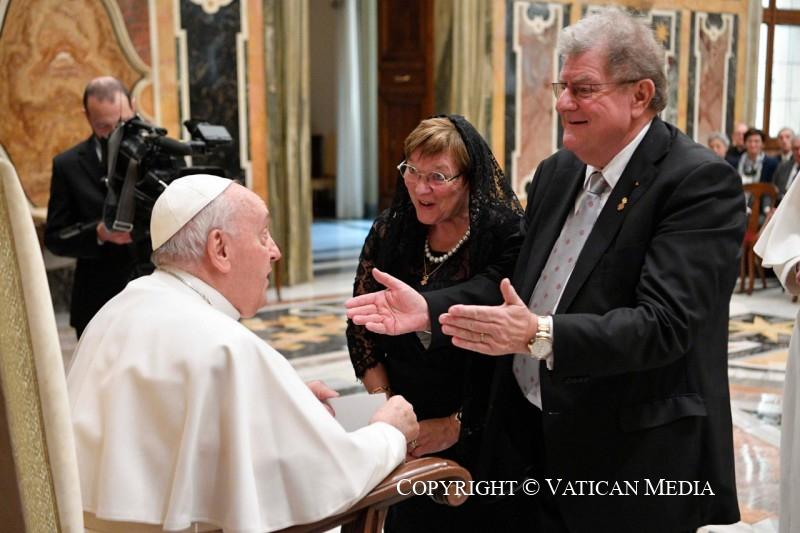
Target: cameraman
[{"x": 106, "y": 259}]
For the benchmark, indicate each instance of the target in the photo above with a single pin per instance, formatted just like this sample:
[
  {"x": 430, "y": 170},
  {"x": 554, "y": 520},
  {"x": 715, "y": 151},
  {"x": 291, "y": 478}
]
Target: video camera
[{"x": 142, "y": 161}]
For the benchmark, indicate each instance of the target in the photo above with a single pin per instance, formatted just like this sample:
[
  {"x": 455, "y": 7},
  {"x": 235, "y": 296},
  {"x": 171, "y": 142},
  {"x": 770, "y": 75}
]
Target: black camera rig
[{"x": 142, "y": 161}]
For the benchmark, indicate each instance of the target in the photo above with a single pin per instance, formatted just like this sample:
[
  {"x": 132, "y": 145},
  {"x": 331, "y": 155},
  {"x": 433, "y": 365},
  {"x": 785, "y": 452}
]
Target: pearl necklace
[{"x": 440, "y": 260}]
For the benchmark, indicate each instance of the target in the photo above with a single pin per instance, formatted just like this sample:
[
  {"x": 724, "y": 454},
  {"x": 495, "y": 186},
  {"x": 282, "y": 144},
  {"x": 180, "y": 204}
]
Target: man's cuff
[{"x": 549, "y": 359}]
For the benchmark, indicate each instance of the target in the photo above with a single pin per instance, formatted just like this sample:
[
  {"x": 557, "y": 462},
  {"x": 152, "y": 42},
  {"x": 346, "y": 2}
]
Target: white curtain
[{"x": 356, "y": 124}]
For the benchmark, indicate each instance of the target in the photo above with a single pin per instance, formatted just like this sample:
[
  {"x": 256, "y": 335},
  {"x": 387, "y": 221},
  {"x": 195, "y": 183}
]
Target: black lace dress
[
  {"x": 432, "y": 381},
  {"x": 440, "y": 381}
]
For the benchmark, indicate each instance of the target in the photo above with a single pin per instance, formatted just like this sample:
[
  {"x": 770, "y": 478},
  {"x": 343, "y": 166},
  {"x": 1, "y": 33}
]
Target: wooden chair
[
  {"x": 39, "y": 483},
  {"x": 367, "y": 515},
  {"x": 762, "y": 198}
]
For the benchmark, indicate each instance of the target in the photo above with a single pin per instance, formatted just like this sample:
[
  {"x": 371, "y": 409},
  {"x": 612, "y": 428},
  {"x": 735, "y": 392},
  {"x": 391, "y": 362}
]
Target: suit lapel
[
  {"x": 634, "y": 182},
  {"x": 558, "y": 197}
]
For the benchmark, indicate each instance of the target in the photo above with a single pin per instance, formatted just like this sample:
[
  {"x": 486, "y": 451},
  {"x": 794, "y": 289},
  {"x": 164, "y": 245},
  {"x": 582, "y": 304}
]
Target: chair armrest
[{"x": 367, "y": 514}]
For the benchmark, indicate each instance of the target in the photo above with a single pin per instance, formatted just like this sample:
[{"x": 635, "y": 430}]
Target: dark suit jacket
[
  {"x": 639, "y": 390},
  {"x": 781, "y": 176},
  {"x": 768, "y": 167},
  {"x": 77, "y": 193}
]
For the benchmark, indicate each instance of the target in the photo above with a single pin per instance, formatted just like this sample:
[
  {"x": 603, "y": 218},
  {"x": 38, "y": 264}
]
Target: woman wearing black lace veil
[{"x": 453, "y": 217}]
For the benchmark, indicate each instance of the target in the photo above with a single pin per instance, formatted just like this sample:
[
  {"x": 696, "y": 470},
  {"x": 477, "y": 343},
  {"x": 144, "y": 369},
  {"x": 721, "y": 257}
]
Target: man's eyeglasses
[
  {"x": 583, "y": 91},
  {"x": 412, "y": 175}
]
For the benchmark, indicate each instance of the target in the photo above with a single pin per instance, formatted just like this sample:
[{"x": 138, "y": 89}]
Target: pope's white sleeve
[{"x": 386, "y": 439}]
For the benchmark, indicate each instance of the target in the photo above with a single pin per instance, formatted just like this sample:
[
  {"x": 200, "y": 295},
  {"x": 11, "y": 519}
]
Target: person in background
[
  {"x": 736, "y": 149},
  {"x": 453, "y": 217},
  {"x": 182, "y": 416},
  {"x": 785, "y": 136},
  {"x": 106, "y": 259},
  {"x": 755, "y": 166},
  {"x": 718, "y": 142},
  {"x": 779, "y": 248},
  {"x": 787, "y": 171}
]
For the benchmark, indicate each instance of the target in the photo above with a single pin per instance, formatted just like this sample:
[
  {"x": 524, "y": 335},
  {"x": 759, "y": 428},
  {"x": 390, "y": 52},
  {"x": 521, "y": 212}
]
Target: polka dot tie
[{"x": 556, "y": 273}]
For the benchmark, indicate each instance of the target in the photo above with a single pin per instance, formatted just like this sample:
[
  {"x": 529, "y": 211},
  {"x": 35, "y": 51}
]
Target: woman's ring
[{"x": 412, "y": 444}]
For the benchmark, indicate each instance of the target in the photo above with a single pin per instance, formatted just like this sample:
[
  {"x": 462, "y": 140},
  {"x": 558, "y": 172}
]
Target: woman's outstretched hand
[{"x": 395, "y": 310}]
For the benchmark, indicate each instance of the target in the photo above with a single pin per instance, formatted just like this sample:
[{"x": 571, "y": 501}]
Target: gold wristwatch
[{"x": 541, "y": 345}]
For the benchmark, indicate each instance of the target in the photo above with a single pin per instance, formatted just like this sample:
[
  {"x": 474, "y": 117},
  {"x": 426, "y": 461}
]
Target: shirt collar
[
  {"x": 614, "y": 169},
  {"x": 201, "y": 289}
]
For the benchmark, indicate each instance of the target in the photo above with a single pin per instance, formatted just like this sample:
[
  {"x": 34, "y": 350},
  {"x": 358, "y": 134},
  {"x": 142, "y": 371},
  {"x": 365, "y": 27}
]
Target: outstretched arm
[{"x": 396, "y": 310}]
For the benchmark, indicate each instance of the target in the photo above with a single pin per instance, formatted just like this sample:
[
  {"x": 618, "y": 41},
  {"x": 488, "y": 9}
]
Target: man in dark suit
[
  {"x": 788, "y": 170},
  {"x": 74, "y": 226},
  {"x": 618, "y": 312}
]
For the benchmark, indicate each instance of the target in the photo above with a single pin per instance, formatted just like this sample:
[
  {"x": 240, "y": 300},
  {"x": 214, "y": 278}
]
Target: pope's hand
[
  {"x": 323, "y": 394},
  {"x": 492, "y": 330},
  {"x": 400, "y": 414},
  {"x": 395, "y": 310}
]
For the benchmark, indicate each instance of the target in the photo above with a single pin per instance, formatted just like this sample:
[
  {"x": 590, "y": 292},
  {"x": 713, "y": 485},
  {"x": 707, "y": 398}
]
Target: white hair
[{"x": 188, "y": 245}]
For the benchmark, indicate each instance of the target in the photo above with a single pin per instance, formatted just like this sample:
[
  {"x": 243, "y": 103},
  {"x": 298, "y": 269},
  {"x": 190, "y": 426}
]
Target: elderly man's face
[
  {"x": 785, "y": 137},
  {"x": 737, "y": 138},
  {"x": 796, "y": 149},
  {"x": 596, "y": 128},
  {"x": 252, "y": 252}
]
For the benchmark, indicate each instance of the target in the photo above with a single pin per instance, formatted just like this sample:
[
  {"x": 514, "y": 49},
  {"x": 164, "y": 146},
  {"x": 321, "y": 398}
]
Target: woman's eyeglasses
[{"x": 412, "y": 175}]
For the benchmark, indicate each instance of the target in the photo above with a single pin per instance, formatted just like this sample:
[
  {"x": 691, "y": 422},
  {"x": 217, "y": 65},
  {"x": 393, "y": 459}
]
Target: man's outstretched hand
[
  {"x": 395, "y": 310},
  {"x": 492, "y": 330}
]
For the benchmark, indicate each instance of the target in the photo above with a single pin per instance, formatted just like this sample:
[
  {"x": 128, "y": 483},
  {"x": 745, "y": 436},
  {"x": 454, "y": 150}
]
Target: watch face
[{"x": 541, "y": 348}]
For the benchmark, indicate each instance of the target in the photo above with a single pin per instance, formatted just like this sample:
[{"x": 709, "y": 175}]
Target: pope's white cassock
[
  {"x": 779, "y": 247},
  {"x": 181, "y": 415}
]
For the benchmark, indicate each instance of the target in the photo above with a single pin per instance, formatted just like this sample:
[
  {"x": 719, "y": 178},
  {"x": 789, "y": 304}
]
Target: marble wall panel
[
  {"x": 136, "y": 14},
  {"x": 531, "y": 67},
  {"x": 712, "y": 75},
  {"x": 666, "y": 25},
  {"x": 213, "y": 73},
  {"x": 49, "y": 49}
]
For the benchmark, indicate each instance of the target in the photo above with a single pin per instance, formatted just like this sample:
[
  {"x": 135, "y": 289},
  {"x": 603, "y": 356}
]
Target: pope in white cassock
[
  {"x": 779, "y": 247},
  {"x": 183, "y": 416}
]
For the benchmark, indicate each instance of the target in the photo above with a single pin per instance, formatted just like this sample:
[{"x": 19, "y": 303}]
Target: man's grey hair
[
  {"x": 719, "y": 136},
  {"x": 632, "y": 49},
  {"x": 188, "y": 246}
]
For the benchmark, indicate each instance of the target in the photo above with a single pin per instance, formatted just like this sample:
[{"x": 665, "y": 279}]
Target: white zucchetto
[{"x": 180, "y": 202}]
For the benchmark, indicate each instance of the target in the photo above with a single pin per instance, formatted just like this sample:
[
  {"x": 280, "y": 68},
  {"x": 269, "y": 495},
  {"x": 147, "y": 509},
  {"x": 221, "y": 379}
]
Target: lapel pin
[{"x": 621, "y": 205}]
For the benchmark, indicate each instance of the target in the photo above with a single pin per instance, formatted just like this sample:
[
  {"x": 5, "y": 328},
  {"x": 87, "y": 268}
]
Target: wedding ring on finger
[{"x": 412, "y": 444}]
